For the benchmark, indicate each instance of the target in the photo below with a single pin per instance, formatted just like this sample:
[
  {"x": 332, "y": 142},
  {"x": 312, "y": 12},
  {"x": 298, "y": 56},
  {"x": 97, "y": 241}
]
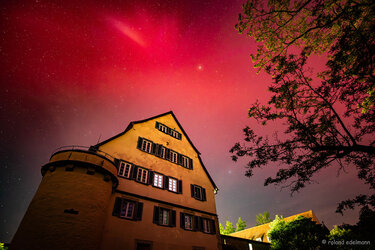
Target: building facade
[{"x": 145, "y": 188}]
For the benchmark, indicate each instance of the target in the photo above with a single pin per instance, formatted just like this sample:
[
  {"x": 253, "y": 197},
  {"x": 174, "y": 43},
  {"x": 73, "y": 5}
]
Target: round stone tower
[{"x": 69, "y": 208}]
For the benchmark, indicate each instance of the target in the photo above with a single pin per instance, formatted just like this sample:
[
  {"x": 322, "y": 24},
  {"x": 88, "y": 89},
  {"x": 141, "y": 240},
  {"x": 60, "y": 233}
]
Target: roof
[
  {"x": 262, "y": 230},
  {"x": 131, "y": 124}
]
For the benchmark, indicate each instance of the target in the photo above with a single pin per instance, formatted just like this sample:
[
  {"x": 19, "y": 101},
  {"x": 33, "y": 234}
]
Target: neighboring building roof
[
  {"x": 261, "y": 231},
  {"x": 130, "y": 126}
]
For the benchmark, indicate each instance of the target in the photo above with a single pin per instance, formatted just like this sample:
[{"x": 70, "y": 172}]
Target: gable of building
[{"x": 175, "y": 138}]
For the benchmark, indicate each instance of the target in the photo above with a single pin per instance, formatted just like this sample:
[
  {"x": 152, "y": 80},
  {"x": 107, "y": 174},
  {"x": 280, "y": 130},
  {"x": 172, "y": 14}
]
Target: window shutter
[
  {"x": 156, "y": 215},
  {"x": 200, "y": 219},
  {"x": 197, "y": 223},
  {"x": 192, "y": 190},
  {"x": 138, "y": 215},
  {"x": 213, "y": 228},
  {"x": 156, "y": 149},
  {"x": 203, "y": 194},
  {"x": 153, "y": 148},
  {"x": 117, "y": 163},
  {"x": 179, "y": 187},
  {"x": 166, "y": 182},
  {"x": 167, "y": 153},
  {"x": 182, "y": 220},
  {"x": 173, "y": 218},
  {"x": 191, "y": 163},
  {"x": 179, "y": 160},
  {"x": 117, "y": 207},
  {"x": 157, "y": 125},
  {"x": 139, "y": 144},
  {"x": 134, "y": 172},
  {"x": 150, "y": 177}
]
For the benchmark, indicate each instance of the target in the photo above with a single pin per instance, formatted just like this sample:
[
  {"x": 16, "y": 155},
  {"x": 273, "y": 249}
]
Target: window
[
  {"x": 146, "y": 146},
  {"x": 163, "y": 128},
  {"x": 186, "y": 162},
  {"x": 173, "y": 157},
  {"x": 127, "y": 209},
  {"x": 124, "y": 169},
  {"x": 158, "y": 180},
  {"x": 172, "y": 185},
  {"x": 143, "y": 245},
  {"x": 164, "y": 217},
  {"x": 168, "y": 130},
  {"x": 208, "y": 226},
  {"x": 142, "y": 175},
  {"x": 162, "y": 152},
  {"x": 259, "y": 239},
  {"x": 198, "y": 192},
  {"x": 186, "y": 221}
]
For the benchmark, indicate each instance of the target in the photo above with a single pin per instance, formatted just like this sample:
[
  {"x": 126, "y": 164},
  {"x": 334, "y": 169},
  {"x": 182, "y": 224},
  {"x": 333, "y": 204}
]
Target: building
[
  {"x": 259, "y": 233},
  {"x": 145, "y": 188}
]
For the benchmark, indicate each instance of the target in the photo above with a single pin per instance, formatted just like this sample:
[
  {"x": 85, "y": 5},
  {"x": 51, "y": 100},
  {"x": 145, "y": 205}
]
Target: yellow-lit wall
[
  {"x": 121, "y": 232},
  {"x": 125, "y": 148}
]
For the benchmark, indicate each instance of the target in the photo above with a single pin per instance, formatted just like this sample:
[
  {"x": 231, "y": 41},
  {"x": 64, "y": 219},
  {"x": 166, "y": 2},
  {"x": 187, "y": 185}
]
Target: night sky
[{"x": 77, "y": 72}]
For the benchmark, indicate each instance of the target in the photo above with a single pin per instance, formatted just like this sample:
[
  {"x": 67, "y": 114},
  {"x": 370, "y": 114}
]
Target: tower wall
[{"x": 68, "y": 209}]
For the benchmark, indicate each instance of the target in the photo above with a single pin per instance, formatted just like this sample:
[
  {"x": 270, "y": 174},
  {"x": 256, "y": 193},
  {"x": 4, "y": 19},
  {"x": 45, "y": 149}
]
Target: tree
[
  {"x": 330, "y": 115},
  {"x": 263, "y": 218},
  {"x": 240, "y": 225},
  {"x": 221, "y": 228},
  {"x": 300, "y": 233},
  {"x": 228, "y": 228}
]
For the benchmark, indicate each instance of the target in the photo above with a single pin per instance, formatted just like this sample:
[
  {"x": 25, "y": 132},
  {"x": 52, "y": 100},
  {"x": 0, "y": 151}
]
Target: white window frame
[
  {"x": 164, "y": 217},
  {"x": 162, "y": 152},
  {"x": 127, "y": 209},
  {"x": 173, "y": 156},
  {"x": 172, "y": 185},
  {"x": 188, "y": 222},
  {"x": 124, "y": 169},
  {"x": 146, "y": 146},
  {"x": 206, "y": 225},
  {"x": 163, "y": 128},
  {"x": 158, "y": 180},
  {"x": 185, "y": 162},
  {"x": 142, "y": 175}
]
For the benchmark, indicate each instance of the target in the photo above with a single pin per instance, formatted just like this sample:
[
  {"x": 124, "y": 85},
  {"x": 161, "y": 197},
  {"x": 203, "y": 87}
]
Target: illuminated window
[
  {"x": 142, "y": 175},
  {"x": 158, "y": 180},
  {"x": 124, "y": 169},
  {"x": 172, "y": 185}
]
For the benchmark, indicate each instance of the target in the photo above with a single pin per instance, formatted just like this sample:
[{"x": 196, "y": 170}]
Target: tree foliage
[
  {"x": 330, "y": 115},
  {"x": 240, "y": 225},
  {"x": 263, "y": 218},
  {"x": 228, "y": 228},
  {"x": 300, "y": 233}
]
